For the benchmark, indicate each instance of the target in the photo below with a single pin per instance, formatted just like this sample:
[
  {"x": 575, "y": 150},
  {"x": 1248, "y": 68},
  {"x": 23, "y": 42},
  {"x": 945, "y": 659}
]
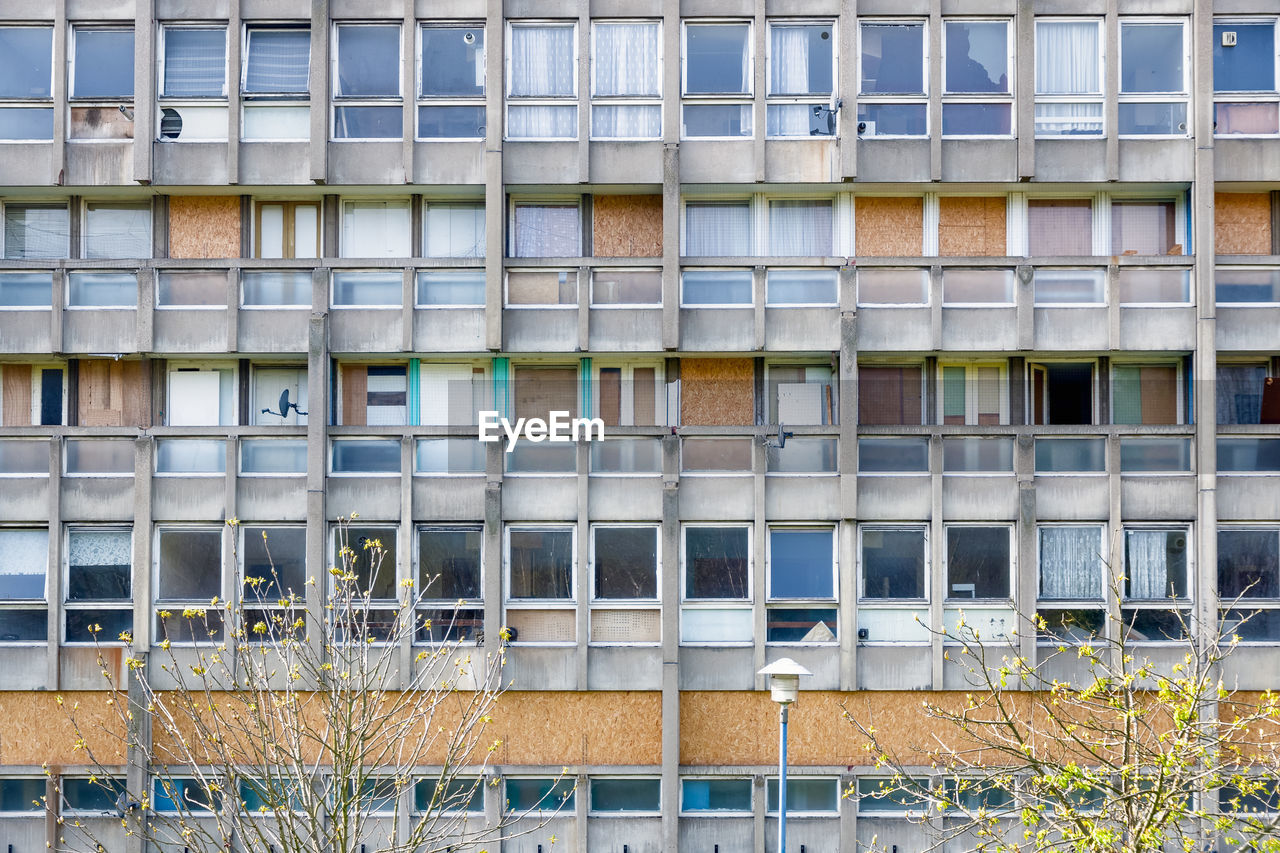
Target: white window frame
[
  {"x": 569, "y": 604},
  {"x": 186, "y": 366},
  {"x": 627, "y": 404},
  {"x": 119, "y": 203},
  {"x": 509, "y": 100},
  {"x": 160, "y": 62},
  {"x": 648, "y": 604},
  {"x": 737, "y": 604},
  {"x": 1098, "y": 97},
  {"x": 1244, "y": 603},
  {"x": 632, "y": 100},
  {"x": 777, "y": 603},
  {"x": 452, "y": 526},
  {"x": 398, "y": 568},
  {"x": 952, "y": 601},
  {"x": 123, "y": 604},
  {"x": 893, "y": 603},
  {"x": 769, "y": 273},
  {"x": 1182, "y": 97},
  {"x": 176, "y": 605},
  {"x": 344, "y": 250},
  {"x": 250, "y": 100},
  {"x": 623, "y": 813},
  {"x": 1269, "y": 97},
  {"x": 727, "y": 472},
  {"x": 476, "y": 261},
  {"x": 791, "y": 810},
  {"x": 1010, "y": 97},
  {"x": 81, "y": 100},
  {"x": 1180, "y": 399},
  {"x": 336, "y": 100},
  {"x": 833, "y": 98},
  {"x": 543, "y": 201},
  {"x": 421, "y": 100},
  {"x": 971, "y": 389},
  {"x": 916, "y": 99},
  {"x": 1100, "y": 603},
  {"x": 613, "y": 306},
  {"x": 36, "y": 262},
  {"x": 38, "y": 102},
  {"x": 1166, "y": 603},
  {"x": 739, "y": 99}
]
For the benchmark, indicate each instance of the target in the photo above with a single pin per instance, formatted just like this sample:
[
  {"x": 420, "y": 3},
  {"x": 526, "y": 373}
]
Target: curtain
[
  {"x": 543, "y": 121},
  {"x": 1143, "y": 227},
  {"x": 195, "y": 62},
  {"x": 278, "y": 61},
  {"x": 1060, "y": 227},
  {"x": 542, "y": 62},
  {"x": 800, "y": 228},
  {"x": 546, "y": 231},
  {"x": 1069, "y": 563},
  {"x": 37, "y": 231},
  {"x": 789, "y": 120},
  {"x": 789, "y": 61},
  {"x": 626, "y": 121},
  {"x": 375, "y": 229},
  {"x": 1067, "y": 58},
  {"x": 627, "y": 61},
  {"x": 1147, "y": 559},
  {"x": 717, "y": 229},
  {"x": 22, "y": 572},
  {"x": 455, "y": 231},
  {"x": 1239, "y": 393}
]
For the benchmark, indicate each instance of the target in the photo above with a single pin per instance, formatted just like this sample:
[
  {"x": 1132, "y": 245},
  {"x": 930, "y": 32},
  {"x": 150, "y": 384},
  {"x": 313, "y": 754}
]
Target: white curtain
[
  {"x": 375, "y": 229},
  {"x": 195, "y": 62},
  {"x": 547, "y": 231},
  {"x": 789, "y": 61},
  {"x": 800, "y": 228},
  {"x": 278, "y": 61},
  {"x": 716, "y": 229},
  {"x": 455, "y": 231},
  {"x": 788, "y": 119},
  {"x": 542, "y": 62},
  {"x": 626, "y": 121},
  {"x": 1148, "y": 563},
  {"x": 1070, "y": 565},
  {"x": 626, "y": 61},
  {"x": 1067, "y": 58},
  {"x": 544, "y": 121}
]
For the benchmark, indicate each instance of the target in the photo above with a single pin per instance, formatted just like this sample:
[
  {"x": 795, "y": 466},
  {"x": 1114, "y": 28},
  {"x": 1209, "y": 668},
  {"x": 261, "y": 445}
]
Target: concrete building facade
[{"x": 890, "y": 307}]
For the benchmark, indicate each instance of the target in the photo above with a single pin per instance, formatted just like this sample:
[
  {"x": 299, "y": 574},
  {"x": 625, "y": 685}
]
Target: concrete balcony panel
[
  {"x": 99, "y": 163},
  {"x": 188, "y": 498},
  {"x": 273, "y": 498},
  {"x": 1247, "y": 329},
  {"x": 639, "y": 834},
  {"x": 814, "y": 833},
  {"x": 895, "y": 667},
  {"x": 1079, "y": 498},
  {"x": 1245, "y": 159},
  {"x": 449, "y": 330},
  {"x": 717, "y": 161},
  {"x": 540, "y": 498},
  {"x": 24, "y": 499},
  {"x": 539, "y": 330},
  {"x": 893, "y": 160},
  {"x": 717, "y": 330},
  {"x": 624, "y": 668},
  {"x": 276, "y": 163},
  {"x": 1071, "y": 329},
  {"x": 972, "y": 160},
  {"x": 273, "y": 330},
  {"x": 1155, "y": 329},
  {"x": 1251, "y": 668},
  {"x": 895, "y": 329},
  {"x": 179, "y": 331},
  {"x": 801, "y": 161},
  {"x": 112, "y": 331},
  {"x": 894, "y": 498},
  {"x": 716, "y": 498},
  {"x": 711, "y": 668},
  {"x": 541, "y": 668},
  {"x": 708, "y": 833},
  {"x": 30, "y": 164},
  {"x": 198, "y": 10},
  {"x": 448, "y": 498},
  {"x": 1160, "y": 498},
  {"x": 1071, "y": 159},
  {"x": 540, "y": 162},
  {"x": 1157, "y": 160},
  {"x": 980, "y": 498},
  {"x": 1249, "y": 498},
  {"x": 367, "y": 162},
  {"x": 626, "y": 162},
  {"x": 822, "y": 661},
  {"x": 97, "y": 498},
  {"x": 26, "y": 331},
  {"x": 465, "y": 9},
  {"x": 625, "y": 330},
  {"x": 625, "y": 498},
  {"x": 802, "y": 329},
  {"x": 365, "y": 330},
  {"x": 801, "y": 498},
  {"x": 100, "y": 10},
  {"x": 375, "y": 498},
  {"x": 450, "y": 163},
  {"x": 980, "y": 329},
  {"x": 274, "y": 10},
  {"x": 189, "y": 163}
]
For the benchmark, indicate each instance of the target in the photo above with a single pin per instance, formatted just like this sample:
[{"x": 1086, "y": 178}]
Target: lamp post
[{"x": 784, "y": 688}]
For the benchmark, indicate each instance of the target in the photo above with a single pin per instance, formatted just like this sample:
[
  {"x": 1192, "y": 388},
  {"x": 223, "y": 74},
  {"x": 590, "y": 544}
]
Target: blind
[
  {"x": 195, "y": 63},
  {"x": 278, "y": 61}
]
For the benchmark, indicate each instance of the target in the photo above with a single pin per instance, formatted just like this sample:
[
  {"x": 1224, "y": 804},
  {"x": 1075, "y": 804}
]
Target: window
[
  {"x": 1254, "y": 797},
  {"x": 977, "y": 455},
  {"x": 1069, "y": 287},
  {"x": 191, "y": 457},
  {"x": 615, "y": 288},
  {"x": 451, "y": 82},
  {"x": 34, "y": 395},
  {"x": 275, "y": 83},
  {"x": 275, "y": 289},
  {"x": 1140, "y": 227},
  {"x": 20, "y": 795},
  {"x": 801, "y": 569},
  {"x": 366, "y": 82},
  {"x": 117, "y": 230},
  {"x": 893, "y": 287},
  {"x": 291, "y": 229},
  {"x": 1155, "y": 562},
  {"x": 801, "y": 228},
  {"x": 24, "y": 458},
  {"x": 99, "y": 584},
  {"x": 717, "y": 83},
  {"x": 454, "y": 230},
  {"x": 368, "y": 289},
  {"x": 191, "y": 289},
  {"x": 450, "y": 581},
  {"x": 182, "y": 794},
  {"x": 279, "y": 396},
  {"x": 1241, "y": 389},
  {"x": 541, "y": 390},
  {"x": 373, "y": 395},
  {"x": 98, "y": 457},
  {"x": 1249, "y": 581},
  {"x": 626, "y": 80},
  {"x": 716, "y": 288},
  {"x": 541, "y": 564},
  {"x": 1061, "y": 226},
  {"x": 1249, "y": 455},
  {"x": 805, "y": 796},
  {"x": 1070, "y": 455},
  {"x": 977, "y": 94},
  {"x": 626, "y": 456},
  {"x": 978, "y": 561},
  {"x": 451, "y": 394},
  {"x": 1061, "y": 392},
  {"x": 717, "y": 228},
  {"x": 801, "y": 394},
  {"x": 449, "y": 456},
  {"x": 102, "y": 64},
  {"x": 200, "y": 396},
  {"x": 715, "y": 796},
  {"x": 266, "y": 456},
  {"x": 542, "y": 288},
  {"x": 1071, "y": 569},
  {"x": 26, "y": 83},
  {"x": 973, "y": 394},
  {"x": 1155, "y": 455},
  {"x": 715, "y": 455},
  {"x": 366, "y": 456},
  {"x": 890, "y": 394},
  {"x": 194, "y": 62},
  {"x": 802, "y": 455},
  {"x": 371, "y": 555},
  {"x": 624, "y": 571},
  {"x": 542, "y": 81},
  {"x": 786, "y": 288},
  {"x": 892, "y": 95},
  {"x": 1069, "y": 77},
  {"x": 977, "y": 287},
  {"x": 716, "y": 571},
  {"x": 23, "y": 587},
  {"x": 24, "y": 290},
  {"x": 541, "y": 794},
  {"x": 1154, "y": 286},
  {"x": 546, "y": 230},
  {"x": 94, "y": 796},
  {"x": 376, "y": 229},
  {"x": 626, "y": 795},
  {"x": 880, "y": 796},
  {"x": 1146, "y": 394},
  {"x": 893, "y": 456},
  {"x": 188, "y": 575},
  {"x": 1244, "y": 78},
  {"x": 1154, "y": 85},
  {"x": 1256, "y": 286},
  {"x": 274, "y": 563},
  {"x": 801, "y": 80},
  {"x": 36, "y": 231},
  {"x": 458, "y": 794},
  {"x": 893, "y": 563},
  {"x": 451, "y": 289},
  {"x": 102, "y": 290}
]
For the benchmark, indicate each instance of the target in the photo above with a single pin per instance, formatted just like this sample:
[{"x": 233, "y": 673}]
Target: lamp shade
[{"x": 784, "y": 680}]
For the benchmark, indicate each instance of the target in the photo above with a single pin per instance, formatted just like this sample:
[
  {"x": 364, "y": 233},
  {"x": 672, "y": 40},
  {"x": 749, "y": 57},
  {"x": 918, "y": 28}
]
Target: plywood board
[
  {"x": 355, "y": 394},
  {"x": 15, "y": 380},
  {"x": 889, "y": 227},
  {"x": 972, "y": 226},
  {"x": 1242, "y": 223},
  {"x": 204, "y": 226},
  {"x": 37, "y": 730},
  {"x": 717, "y": 391},
  {"x": 627, "y": 226}
]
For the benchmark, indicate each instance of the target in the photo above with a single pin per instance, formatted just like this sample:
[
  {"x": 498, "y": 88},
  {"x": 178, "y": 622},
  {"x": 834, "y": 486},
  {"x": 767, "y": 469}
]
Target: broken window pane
[
  {"x": 893, "y": 561},
  {"x": 540, "y": 563},
  {"x": 716, "y": 562},
  {"x": 117, "y": 230},
  {"x": 801, "y": 625},
  {"x": 36, "y": 231}
]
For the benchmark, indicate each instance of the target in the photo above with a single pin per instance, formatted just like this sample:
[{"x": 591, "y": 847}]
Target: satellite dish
[{"x": 284, "y": 406}]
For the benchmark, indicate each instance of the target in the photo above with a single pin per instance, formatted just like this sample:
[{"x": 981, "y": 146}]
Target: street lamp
[{"x": 784, "y": 688}]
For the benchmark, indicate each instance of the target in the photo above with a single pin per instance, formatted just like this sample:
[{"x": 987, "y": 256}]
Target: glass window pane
[
  {"x": 452, "y": 62},
  {"x": 542, "y": 63},
  {"x": 451, "y": 122},
  {"x": 716, "y": 120},
  {"x": 365, "y": 456},
  {"x": 286, "y": 288},
  {"x": 26, "y": 290},
  {"x": 893, "y": 287},
  {"x": 801, "y": 228},
  {"x": 376, "y": 229},
  {"x": 802, "y": 287},
  {"x": 1150, "y": 455},
  {"x": 22, "y": 573},
  {"x": 26, "y": 62},
  {"x": 1070, "y": 562},
  {"x": 99, "y": 456},
  {"x": 1249, "y": 64},
  {"x": 368, "y": 62},
  {"x": 557, "y": 287},
  {"x": 459, "y": 794},
  {"x": 1157, "y": 119},
  {"x": 963, "y": 119},
  {"x": 893, "y": 563},
  {"x": 22, "y": 795},
  {"x": 801, "y": 563},
  {"x": 805, "y": 795},
  {"x": 1069, "y": 287},
  {"x": 367, "y": 122},
  {"x": 26, "y": 123},
  {"x": 715, "y": 795},
  {"x": 893, "y": 456},
  {"x": 1151, "y": 58},
  {"x": 1060, "y": 227},
  {"x": 541, "y": 458},
  {"x": 977, "y": 286},
  {"x": 24, "y": 457},
  {"x": 626, "y": 456},
  {"x": 1070, "y": 455},
  {"x": 702, "y": 455},
  {"x": 371, "y": 557},
  {"x": 1239, "y": 390},
  {"x": 455, "y": 230},
  {"x": 195, "y": 63},
  {"x": 801, "y": 625},
  {"x": 546, "y": 231},
  {"x": 1248, "y": 563},
  {"x": 450, "y": 287},
  {"x": 978, "y": 561},
  {"x": 278, "y": 61},
  {"x": 717, "y": 59},
  {"x": 715, "y": 562},
  {"x": 799, "y": 120},
  {"x": 627, "y": 60},
  {"x": 1144, "y": 228},
  {"x": 802, "y": 456},
  {"x": 98, "y": 795},
  {"x": 892, "y": 119},
  {"x": 1246, "y": 285},
  {"x": 626, "y": 795},
  {"x": 977, "y": 57},
  {"x": 449, "y": 563},
  {"x": 626, "y": 562},
  {"x": 273, "y": 456},
  {"x": 1152, "y": 286},
  {"x": 1249, "y": 455},
  {"x": 190, "y": 456},
  {"x": 800, "y": 59},
  {"x": 449, "y": 456},
  {"x": 102, "y": 290},
  {"x": 717, "y": 229},
  {"x": 1248, "y": 119},
  {"x": 1155, "y": 564},
  {"x": 716, "y": 287},
  {"x": 1067, "y": 60},
  {"x": 540, "y": 563},
  {"x": 892, "y": 59},
  {"x": 626, "y": 287},
  {"x": 188, "y": 289},
  {"x": 190, "y": 564},
  {"x": 368, "y": 289},
  {"x": 103, "y": 64},
  {"x": 36, "y": 230},
  {"x": 977, "y": 455},
  {"x": 277, "y": 558},
  {"x": 541, "y": 794}
]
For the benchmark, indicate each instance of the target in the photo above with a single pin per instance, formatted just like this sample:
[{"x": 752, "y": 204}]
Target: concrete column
[
  {"x": 495, "y": 200},
  {"x": 318, "y": 83},
  {"x": 1025, "y": 89},
  {"x": 847, "y": 88},
  {"x": 1026, "y": 582},
  {"x": 492, "y": 571},
  {"x": 669, "y": 580},
  {"x": 143, "y": 536},
  {"x": 758, "y": 284},
  {"x": 1113, "y": 544},
  {"x": 937, "y": 583},
  {"x": 671, "y": 245},
  {"x": 848, "y": 468},
  {"x": 409, "y": 295},
  {"x": 759, "y": 86},
  {"x": 53, "y": 571},
  {"x": 145, "y": 318},
  {"x": 408, "y": 88},
  {"x": 59, "y": 92},
  {"x": 318, "y": 556},
  {"x": 144, "y": 95},
  {"x": 404, "y": 553},
  {"x": 233, "y": 93},
  {"x": 584, "y": 100},
  {"x": 935, "y": 90},
  {"x": 59, "y": 293},
  {"x": 759, "y": 566},
  {"x": 1111, "y": 89},
  {"x": 583, "y": 591}
]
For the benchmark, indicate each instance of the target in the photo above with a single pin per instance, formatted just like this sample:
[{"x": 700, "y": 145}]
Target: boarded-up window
[
  {"x": 971, "y": 227},
  {"x": 374, "y": 395},
  {"x": 15, "y": 404},
  {"x": 890, "y": 227},
  {"x": 890, "y": 394},
  {"x": 113, "y": 393},
  {"x": 1242, "y": 223},
  {"x": 542, "y": 390},
  {"x": 627, "y": 226},
  {"x": 717, "y": 391},
  {"x": 1145, "y": 394},
  {"x": 1060, "y": 226},
  {"x": 204, "y": 226},
  {"x": 801, "y": 394},
  {"x": 626, "y": 396},
  {"x": 32, "y": 396},
  {"x": 1144, "y": 228}
]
